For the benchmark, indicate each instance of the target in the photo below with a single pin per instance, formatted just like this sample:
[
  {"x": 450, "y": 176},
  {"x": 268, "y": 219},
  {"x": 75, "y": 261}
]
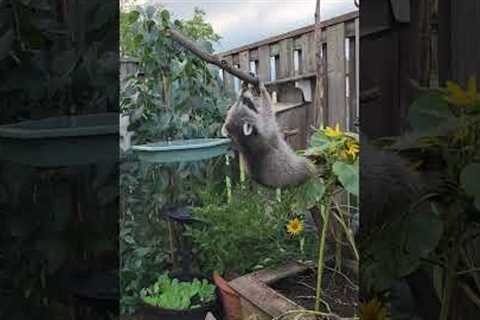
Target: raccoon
[{"x": 253, "y": 129}]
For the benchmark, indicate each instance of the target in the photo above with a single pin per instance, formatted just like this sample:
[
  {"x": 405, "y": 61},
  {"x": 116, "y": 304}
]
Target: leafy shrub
[
  {"x": 172, "y": 294},
  {"x": 41, "y": 64},
  {"x": 247, "y": 233},
  {"x": 182, "y": 99}
]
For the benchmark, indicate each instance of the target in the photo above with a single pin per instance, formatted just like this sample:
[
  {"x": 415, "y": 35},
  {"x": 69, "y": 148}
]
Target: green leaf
[
  {"x": 417, "y": 238},
  {"x": 137, "y": 40},
  {"x": 6, "y": 43},
  {"x": 431, "y": 114},
  {"x": 310, "y": 193},
  {"x": 149, "y": 26},
  {"x": 165, "y": 15},
  {"x": 422, "y": 233},
  {"x": 319, "y": 140},
  {"x": 469, "y": 179},
  {"x": 398, "y": 250},
  {"x": 348, "y": 175},
  {"x": 133, "y": 16}
]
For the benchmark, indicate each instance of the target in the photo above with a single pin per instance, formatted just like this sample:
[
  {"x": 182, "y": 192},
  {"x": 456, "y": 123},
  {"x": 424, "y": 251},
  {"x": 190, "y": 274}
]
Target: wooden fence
[{"x": 286, "y": 63}]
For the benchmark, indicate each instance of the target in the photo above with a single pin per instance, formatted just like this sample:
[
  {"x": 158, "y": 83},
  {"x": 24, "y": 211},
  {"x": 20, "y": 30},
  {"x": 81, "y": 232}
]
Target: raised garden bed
[{"x": 270, "y": 293}]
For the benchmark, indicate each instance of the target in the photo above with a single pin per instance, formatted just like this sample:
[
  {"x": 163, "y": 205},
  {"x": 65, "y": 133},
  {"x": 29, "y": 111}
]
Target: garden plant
[
  {"x": 182, "y": 98},
  {"x": 437, "y": 234},
  {"x": 168, "y": 293}
]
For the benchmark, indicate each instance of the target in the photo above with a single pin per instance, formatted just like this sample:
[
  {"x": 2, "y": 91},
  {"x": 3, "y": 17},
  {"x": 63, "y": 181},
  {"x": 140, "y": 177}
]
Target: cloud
[{"x": 241, "y": 22}]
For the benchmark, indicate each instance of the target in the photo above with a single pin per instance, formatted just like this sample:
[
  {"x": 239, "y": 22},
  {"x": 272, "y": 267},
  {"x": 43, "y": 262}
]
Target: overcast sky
[{"x": 241, "y": 22}]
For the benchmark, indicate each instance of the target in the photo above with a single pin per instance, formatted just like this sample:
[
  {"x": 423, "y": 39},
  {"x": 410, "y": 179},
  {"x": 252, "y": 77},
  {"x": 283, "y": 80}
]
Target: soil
[{"x": 339, "y": 293}]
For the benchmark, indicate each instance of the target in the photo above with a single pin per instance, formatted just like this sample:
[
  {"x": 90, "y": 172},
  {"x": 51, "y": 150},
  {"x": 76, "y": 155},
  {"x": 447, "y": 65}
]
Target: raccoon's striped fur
[{"x": 252, "y": 126}]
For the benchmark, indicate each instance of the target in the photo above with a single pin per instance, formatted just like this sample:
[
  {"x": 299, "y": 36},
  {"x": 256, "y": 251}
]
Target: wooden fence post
[{"x": 319, "y": 105}]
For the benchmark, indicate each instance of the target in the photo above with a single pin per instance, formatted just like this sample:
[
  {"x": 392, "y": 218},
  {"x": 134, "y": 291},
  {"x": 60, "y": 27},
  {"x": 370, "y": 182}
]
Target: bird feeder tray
[
  {"x": 61, "y": 141},
  {"x": 182, "y": 150}
]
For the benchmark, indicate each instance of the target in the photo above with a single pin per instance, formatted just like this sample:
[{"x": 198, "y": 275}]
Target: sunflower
[
  {"x": 294, "y": 226},
  {"x": 459, "y": 97},
  {"x": 333, "y": 133},
  {"x": 373, "y": 310},
  {"x": 352, "y": 148}
]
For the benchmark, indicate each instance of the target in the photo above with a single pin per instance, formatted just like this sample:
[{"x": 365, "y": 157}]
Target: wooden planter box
[{"x": 261, "y": 302}]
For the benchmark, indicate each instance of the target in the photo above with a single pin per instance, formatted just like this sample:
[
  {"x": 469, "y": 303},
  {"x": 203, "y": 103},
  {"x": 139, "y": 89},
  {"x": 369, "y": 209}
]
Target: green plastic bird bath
[
  {"x": 61, "y": 141},
  {"x": 182, "y": 150}
]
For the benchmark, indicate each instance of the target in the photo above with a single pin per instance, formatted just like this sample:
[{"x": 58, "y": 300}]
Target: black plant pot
[{"x": 150, "y": 312}]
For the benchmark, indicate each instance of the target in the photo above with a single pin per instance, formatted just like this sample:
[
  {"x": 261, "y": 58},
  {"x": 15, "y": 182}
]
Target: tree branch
[{"x": 188, "y": 44}]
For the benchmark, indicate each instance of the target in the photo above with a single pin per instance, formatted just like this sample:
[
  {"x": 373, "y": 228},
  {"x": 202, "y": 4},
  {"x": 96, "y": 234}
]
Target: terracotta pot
[{"x": 232, "y": 307}]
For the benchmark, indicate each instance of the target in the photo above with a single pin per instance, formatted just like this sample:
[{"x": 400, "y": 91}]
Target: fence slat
[
  {"x": 336, "y": 93},
  {"x": 227, "y": 77},
  {"x": 244, "y": 61},
  {"x": 309, "y": 52},
  {"x": 286, "y": 58},
  {"x": 253, "y": 54},
  {"x": 264, "y": 63},
  {"x": 352, "y": 86},
  {"x": 236, "y": 59}
]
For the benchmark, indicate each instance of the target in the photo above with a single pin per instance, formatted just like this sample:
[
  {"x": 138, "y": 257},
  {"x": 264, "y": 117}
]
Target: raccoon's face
[{"x": 250, "y": 122}]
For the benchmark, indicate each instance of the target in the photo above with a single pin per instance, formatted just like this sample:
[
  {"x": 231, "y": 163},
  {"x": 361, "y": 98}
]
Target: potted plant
[{"x": 171, "y": 299}]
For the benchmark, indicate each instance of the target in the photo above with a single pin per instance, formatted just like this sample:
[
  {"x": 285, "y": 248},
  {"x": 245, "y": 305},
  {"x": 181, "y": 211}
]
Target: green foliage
[
  {"x": 172, "y": 294},
  {"x": 449, "y": 133},
  {"x": 444, "y": 136},
  {"x": 469, "y": 178},
  {"x": 143, "y": 258},
  {"x": 348, "y": 175},
  {"x": 42, "y": 250},
  {"x": 182, "y": 98},
  {"x": 400, "y": 248},
  {"x": 246, "y": 234},
  {"x": 197, "y": 28},
  {"x": 427, "y": 120},
  {"x": 309, "y": 194},
  {"x": 57, "y": 60},
  {"x": 54, "y": 62},
  {"x": 337, "y": 154},
  {"x": 181, "y": 95}
]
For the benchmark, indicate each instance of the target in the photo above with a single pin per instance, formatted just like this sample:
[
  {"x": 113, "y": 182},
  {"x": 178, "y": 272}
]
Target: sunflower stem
[{"x": 321, "y": 254}]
